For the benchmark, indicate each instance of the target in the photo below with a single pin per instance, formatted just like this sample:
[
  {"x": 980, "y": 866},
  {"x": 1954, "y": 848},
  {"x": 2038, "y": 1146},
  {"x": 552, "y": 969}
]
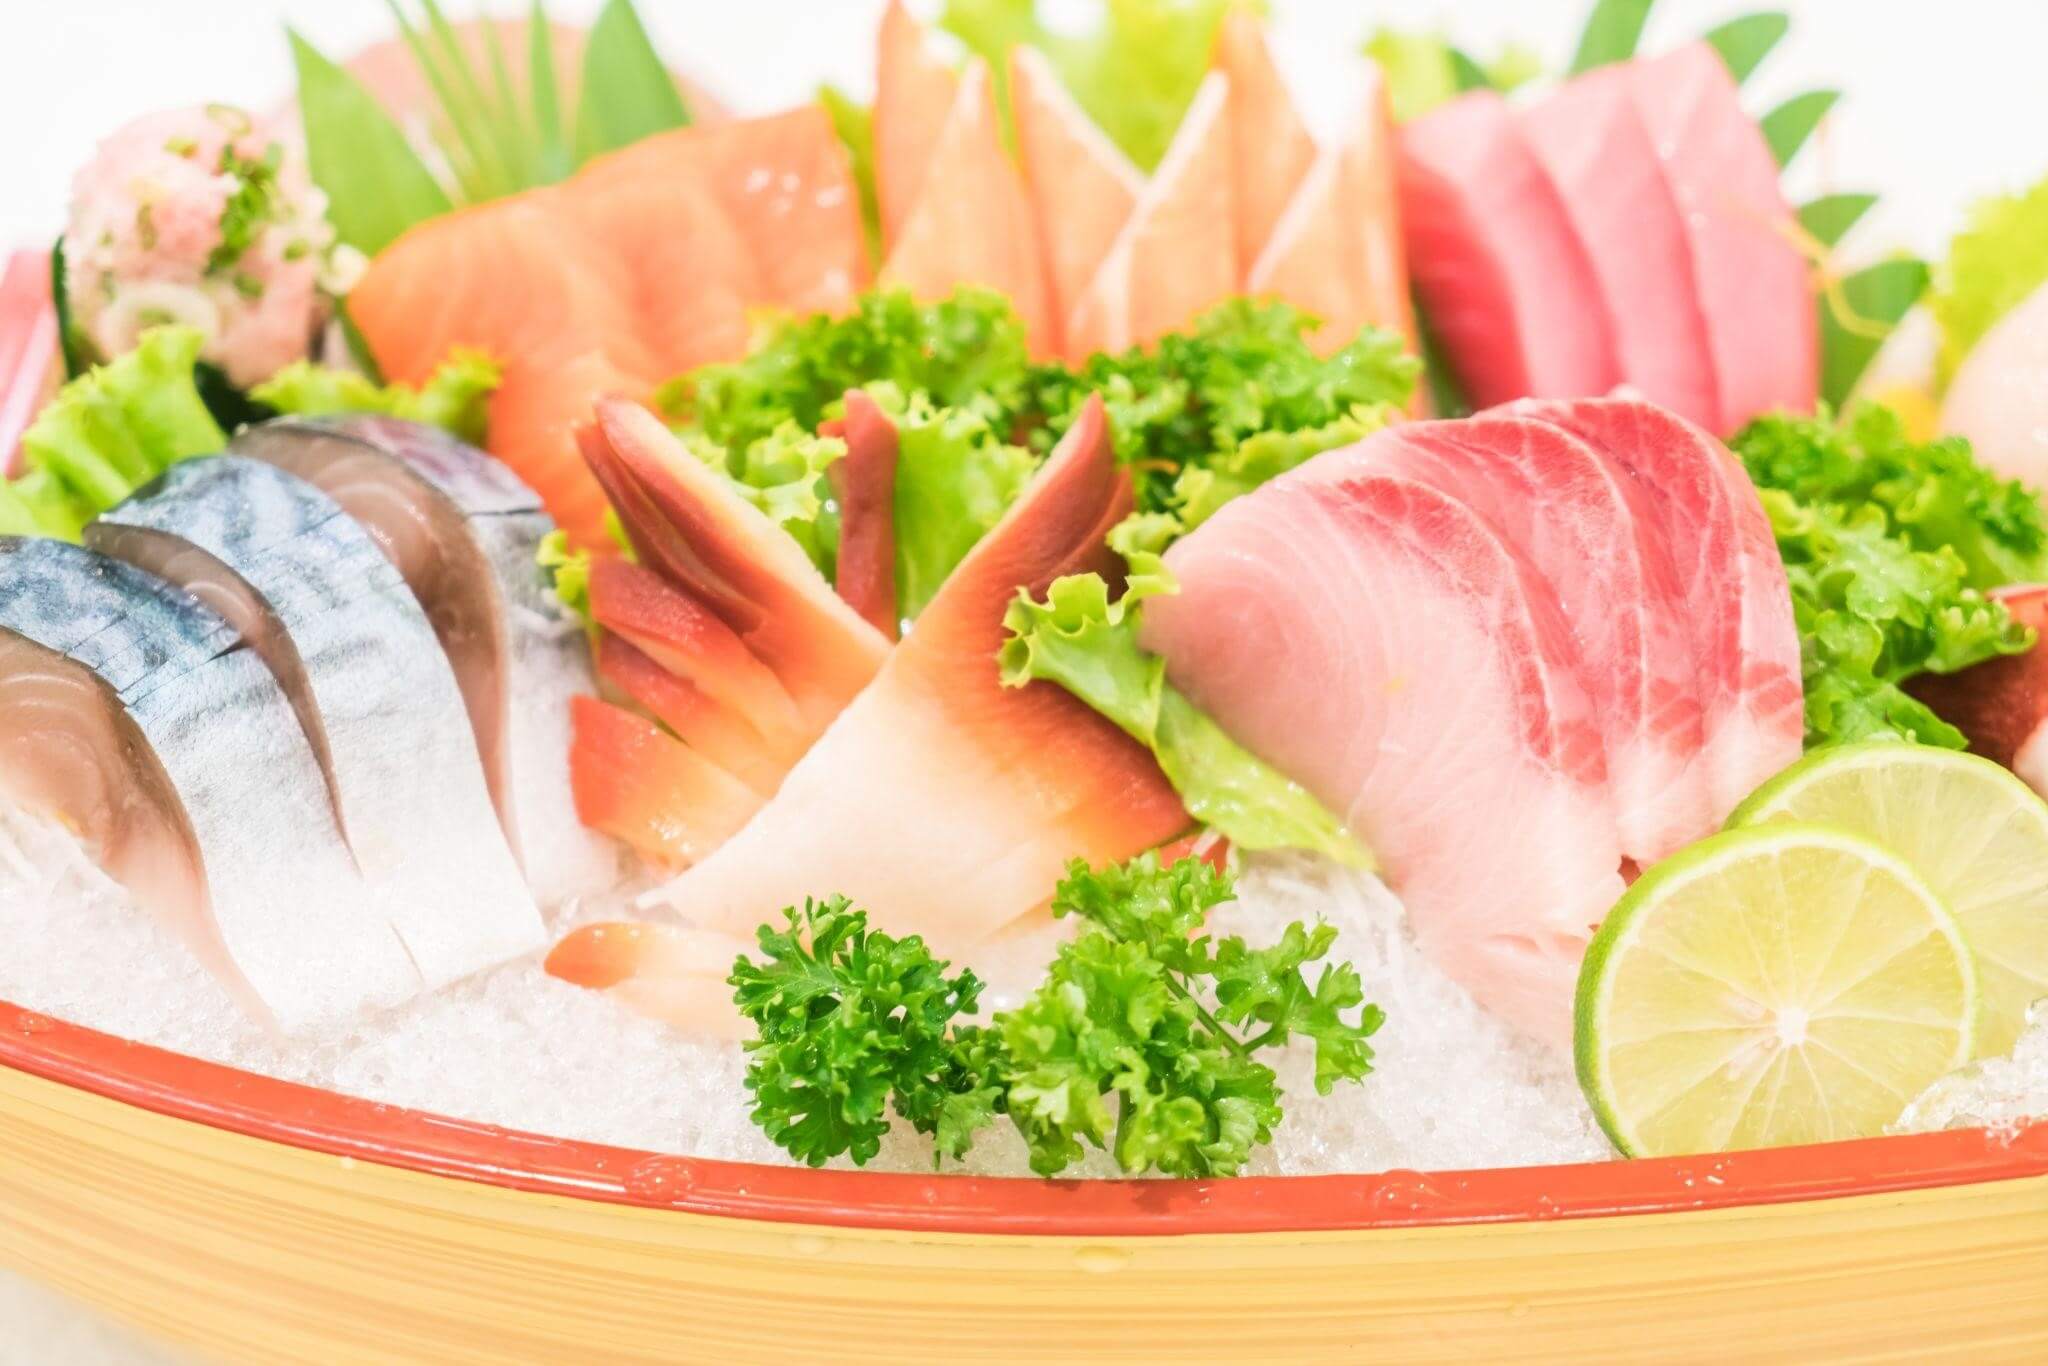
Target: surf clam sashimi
[
  {"x": 319, "y": 603},
  {"x": 464, "y": 532},
  {"x": 130, "y": 714}
]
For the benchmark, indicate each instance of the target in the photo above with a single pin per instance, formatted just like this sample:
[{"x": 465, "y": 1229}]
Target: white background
[{"x": 1945, "y": 101}]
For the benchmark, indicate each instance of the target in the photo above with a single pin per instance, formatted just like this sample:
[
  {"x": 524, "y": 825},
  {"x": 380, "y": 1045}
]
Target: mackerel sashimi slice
[
  {"x": 464, "y": 533},
  {"x": 1584, "y": 525},
  {"x": 130, "y": 715},
  {"x": 319, "y": 603},
  {"x": 1503, "y": 278},
  {"x": 1379, "y": 641},
  {"x": 1590, "y": 136},
  {"x": 1745, "y": 644},
  {"x": 943, "y": 802},
  {"x": 1755, "y": 287}
]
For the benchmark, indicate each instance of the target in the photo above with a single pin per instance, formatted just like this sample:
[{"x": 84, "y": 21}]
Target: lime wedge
[
  {"x": 1976, "y": 833},
  {"x": 1783, "y": 984}
]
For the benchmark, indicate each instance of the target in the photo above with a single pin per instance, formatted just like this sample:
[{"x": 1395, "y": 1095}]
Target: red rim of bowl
[{"x": 323, "y": 1121}]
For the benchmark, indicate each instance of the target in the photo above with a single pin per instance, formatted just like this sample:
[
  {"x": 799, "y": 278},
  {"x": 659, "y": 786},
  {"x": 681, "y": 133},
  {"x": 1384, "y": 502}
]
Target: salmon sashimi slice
[
  {"x": 1754, "y": 286},
  {"x": 914, "y": 93},
  {"x": 1177, "y": 257},
  {"x": 972, "y": 223},
  {"x": 665, "y": 972},
  {"x": 649, "y": 790},
  {"x": 1379, "y": 641},
  {"x": 1581, "y": 523},
  {"x": 1591, "y": 138},
  {"x": 699, "y": 720},
  {"x": 942, "y": 802},
  {"x": 864, "y": 480},
  {"x": 1502, "y": 277},
  {"x": 533, "y": 420},
  {"x": 693, "y": 643},
  {"x": 1271, "y": 149},
  {"x": 689, "y": 526},
  {"x": 1083, "y": 188},
  {"x": 1745, "y": 644}
]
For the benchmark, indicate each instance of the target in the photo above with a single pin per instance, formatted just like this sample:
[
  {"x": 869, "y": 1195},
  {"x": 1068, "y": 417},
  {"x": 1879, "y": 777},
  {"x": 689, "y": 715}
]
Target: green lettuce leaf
[
  {"x": 1997, "y": 260},
  {"x": 1080, "y": 639},
  {"x": 110, "y": 431},
  {"x": 783, "y": 474},
  {"x": 455, "y": 397},
  {"x": 1423, "y": 70},
  {"x": 568, "y": 570}
]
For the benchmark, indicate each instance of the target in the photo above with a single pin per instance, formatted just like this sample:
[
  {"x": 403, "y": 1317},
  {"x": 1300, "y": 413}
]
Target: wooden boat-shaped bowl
[{"x": 256, "y": 1220}]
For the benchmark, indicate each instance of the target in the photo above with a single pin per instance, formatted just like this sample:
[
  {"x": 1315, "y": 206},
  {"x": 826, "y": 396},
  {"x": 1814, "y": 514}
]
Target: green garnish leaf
[
  {"x": 855, "y": 124},
  {"x": 1788, "y": 127},
  {"x": 1744, "y": 42},
  {"x": 1997, "y": 260},
  {"x": 552, "y": 157},
  {"x": 1612, "y": 33},
  {"x": 1424, "y": 70},
  {"x": 1855, "y": 323},
  {"x": 627, "y": 91},
  {"x": 455, "y": 397},
  {"x": 783, "y": 474},
  {"x": 70, "y": 344},
  {"x": 376, "y": 185},
  {"x": 568, "y": 571},
  {"x": 1829, "y": 218}
]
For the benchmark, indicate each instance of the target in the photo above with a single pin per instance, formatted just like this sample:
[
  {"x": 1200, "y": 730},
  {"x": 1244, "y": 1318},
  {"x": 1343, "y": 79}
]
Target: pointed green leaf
[
  {"x": 1787, "y": 127},
  {"x": 461, "y": 133},
  {"x": 1876, "y": 298},
  {"x": 1744, "y": 43},
  {"x": 1828, "y": 219},
  {"x": 1611, "y": 34},
  {"x": 1466, "y": 73},
  {"x": 376, "y": 185},
  {"x": 544, "y": 93},
  {"x": 627, "y": 93},
  {"x": 70, "y": 345}
]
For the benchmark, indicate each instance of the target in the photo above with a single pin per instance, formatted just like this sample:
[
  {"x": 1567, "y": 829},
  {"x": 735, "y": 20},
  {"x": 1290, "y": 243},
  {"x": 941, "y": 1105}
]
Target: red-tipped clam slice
[
  {"x": 699, "y": 720},
  {"x": 943, "y": 802},
  {"x": 649, "y": 790},
  {"x": 671, "y": 974},
  {"x": 865, "y": 481}
]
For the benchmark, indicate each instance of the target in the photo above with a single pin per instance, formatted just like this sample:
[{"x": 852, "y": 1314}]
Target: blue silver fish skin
[
  {"x": 132, "y": 629},
  {"x": 403, "y": 761}
]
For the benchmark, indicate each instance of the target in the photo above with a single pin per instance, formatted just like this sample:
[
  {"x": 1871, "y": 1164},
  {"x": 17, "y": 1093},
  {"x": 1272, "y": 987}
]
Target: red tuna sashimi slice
[
  {"x": 1592, "y": 141},
  {"x": 1584, "y": 526},
  {"x": 1083, "y": 188},
  {"x": 1177, "y": 256},
  {"x": 665, "y": 972},
  {"x": 942, "y": 802},
  {"x": 914, "y": 90},
  {"x": 647, "y": 789},
  {"x": 691, "y": 527},
  {"x": 1755, "y": 289},
  {"x": 699, "y": 720},
  {"x": 1503, "y": 279},
  {"x": 1379, "y": 641},
  {"x": 1745, "y": 645},
  {"x": 1271, "y": 150},
  {"x": 972, "y": 221},
  {"x": 864, "y": 480}
]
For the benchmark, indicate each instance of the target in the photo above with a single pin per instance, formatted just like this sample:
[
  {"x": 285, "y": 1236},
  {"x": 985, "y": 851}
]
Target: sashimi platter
[{"x": 1037, "y": 706}]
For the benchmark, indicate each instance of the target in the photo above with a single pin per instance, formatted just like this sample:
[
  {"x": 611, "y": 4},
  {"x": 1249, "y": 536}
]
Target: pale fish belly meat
[
  {"x": 312, "y": 594},
  {"x": 1380, "y": 641},
  {"x": 464, "y": 531},
  {"x": 130, "y": 713}
]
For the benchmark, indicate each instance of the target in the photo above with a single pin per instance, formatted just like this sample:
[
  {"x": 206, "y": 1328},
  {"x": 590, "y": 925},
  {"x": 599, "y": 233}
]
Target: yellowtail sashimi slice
[
  {"x": 1778, "y": 985},
  {"x": 130, "y": 715},
  {"x": 320, "y": 604},
  {"x": 1976, "y": 833},
  {"x": 1177, "y": 256},
  {"x": 1271, "y": 150}
]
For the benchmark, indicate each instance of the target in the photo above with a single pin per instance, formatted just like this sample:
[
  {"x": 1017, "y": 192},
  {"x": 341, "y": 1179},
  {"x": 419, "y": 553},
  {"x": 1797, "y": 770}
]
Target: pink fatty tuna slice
[
  {"x": 1745, "y": 645},
  {"x": 1592, "y": 141},
  {"x": 1503, "y": 279},
  {"x": 1583, "y": 525},
  {"x": 1379, "y": 641},
  {"x": 1755, "y": 289}
]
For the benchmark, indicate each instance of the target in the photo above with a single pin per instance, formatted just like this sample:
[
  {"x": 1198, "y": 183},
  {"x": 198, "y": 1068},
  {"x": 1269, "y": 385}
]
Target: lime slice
[
  {"x": 1976, "y": 833},
  {"x": 1784, "y": 984}
]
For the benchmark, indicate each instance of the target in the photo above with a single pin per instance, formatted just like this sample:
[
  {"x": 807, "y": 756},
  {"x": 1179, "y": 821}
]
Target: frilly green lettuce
[
  {"x": 1997, "y": 260},
  {"x": 455, "y": 397}
]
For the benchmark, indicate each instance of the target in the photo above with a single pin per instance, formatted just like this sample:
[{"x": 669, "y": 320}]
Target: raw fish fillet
[
  {"x": 1584, "y": 524},
  {"x": 1708, "y": 516},
  {"x": 1502, "y": 277},
  {"x": 1999, "y": 397},
  {"x": 129, "y": 712},
  {"x": 1271, "y": 150},
  {"x": 1754, "y": 286},
  {"x": 940, "y": 801},
  {"x": 914, "y": 90},
  {"x": 318, "y": 602},
  {"x": 1379, "y": 641},
  {"x": 864, "y": 481},
  {"x": 1590, "y": 137},
  {"x": 464, "y": 532}
]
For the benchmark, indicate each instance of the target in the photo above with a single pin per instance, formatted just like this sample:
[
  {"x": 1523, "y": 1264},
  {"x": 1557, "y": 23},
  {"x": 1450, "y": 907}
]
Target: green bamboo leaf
[
  {"x": 510, "y": 113},
  {"x": 1612, "y": 33},
  {"x": 497, "y": 132},
  {"x": 1787, "y": 127},
  {"x": 1744, "y": 42},
  {"x": 376, "y": 185},
  {"x": 1874, "y": 300},
  {"x": 457, "y": 133},
  {"x": 1828, "y": 219},
  {"x": 627, "y": 93},
  {"x": 544, "y": 94},
  {"x": 1467, "y": 74}
]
